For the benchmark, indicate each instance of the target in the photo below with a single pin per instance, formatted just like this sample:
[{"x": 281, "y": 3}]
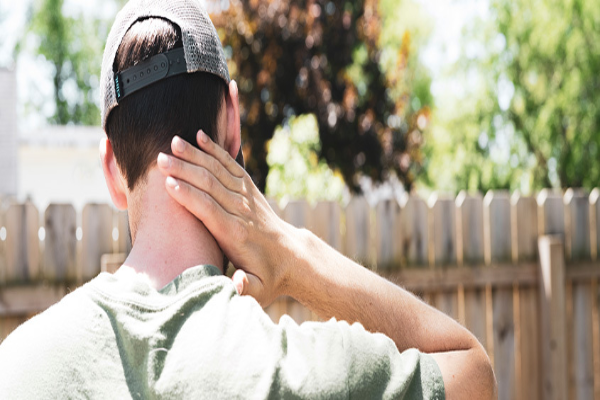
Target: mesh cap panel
[{"x": 201, "y": 43}]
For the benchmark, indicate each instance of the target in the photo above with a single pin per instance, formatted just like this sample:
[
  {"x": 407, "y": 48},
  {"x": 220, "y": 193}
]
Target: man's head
[
  {"x": 141, "y": 123},
  {"x": 144, "y": 123}
]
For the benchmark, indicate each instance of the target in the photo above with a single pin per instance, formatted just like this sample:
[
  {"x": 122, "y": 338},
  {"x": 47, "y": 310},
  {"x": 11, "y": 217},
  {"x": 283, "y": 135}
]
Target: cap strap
[{"x": 154, "y": 69}]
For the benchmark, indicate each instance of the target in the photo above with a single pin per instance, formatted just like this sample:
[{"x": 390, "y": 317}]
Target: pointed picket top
[
  {"x": 497, "y": 227},
  {"x": 414, "y": 230},
  {"x": 60, "y": 247},
  {"x": 578, "y": 244},
  {"x": 22, "y": 223},
  {"x": 325, "y": 222},
  {"x": 524, "y": 218},
  {"x": 498, "y": 249},
  {"x": 358, "y": 231},
  {"x": 97, "y": 240},
  {"x": 551, "y": 213},
  {"x": 469, "y": 228},
  {"x": 387, "y": 234},
  {"x": 443, "y": 222},
  {"x": 577, "y": 224}
]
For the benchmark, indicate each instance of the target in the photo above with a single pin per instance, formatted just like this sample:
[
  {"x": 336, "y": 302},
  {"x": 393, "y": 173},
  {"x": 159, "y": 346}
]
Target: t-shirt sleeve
[{"x": 346, "y": 361}]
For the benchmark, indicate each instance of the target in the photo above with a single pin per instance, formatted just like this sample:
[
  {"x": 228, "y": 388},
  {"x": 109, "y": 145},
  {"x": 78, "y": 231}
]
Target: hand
[{"x": 218, "y": 191}]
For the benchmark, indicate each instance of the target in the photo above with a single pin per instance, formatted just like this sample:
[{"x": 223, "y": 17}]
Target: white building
[
  {"x": 61, "y": 164},
  {"x": 8, "y": 133},
  {"x": 55, "y": 164}
]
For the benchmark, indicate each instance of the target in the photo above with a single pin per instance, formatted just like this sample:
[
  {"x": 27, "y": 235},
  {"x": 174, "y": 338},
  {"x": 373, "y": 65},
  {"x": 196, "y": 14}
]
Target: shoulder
[{"x": 33, "y": 355}]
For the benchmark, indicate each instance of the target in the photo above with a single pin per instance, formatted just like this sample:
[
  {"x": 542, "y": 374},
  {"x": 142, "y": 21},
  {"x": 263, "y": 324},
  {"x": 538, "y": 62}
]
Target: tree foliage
[
  {"x": 73, "y": 46},
  {"x": 349, "y": 63},
  {"x": 532, "y": 118},
  {"x": 323, "y": 57},
  {"x": 295, "y": 171}
]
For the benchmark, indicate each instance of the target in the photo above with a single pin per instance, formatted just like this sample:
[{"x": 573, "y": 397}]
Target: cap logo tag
[
  {"x": 117, "y": 86},
  {"x": 150, "y": 71}
]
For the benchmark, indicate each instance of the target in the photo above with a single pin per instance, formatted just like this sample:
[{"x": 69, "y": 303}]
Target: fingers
[
  {"x": 247, "y": 284},
  {"x": 217, "y": 220},
  {"x": 202, "y": 179},
  {"x": 185, "y": 151},
  {"x": 240, "y": 281},
  {"x": 220, "y": 154}
]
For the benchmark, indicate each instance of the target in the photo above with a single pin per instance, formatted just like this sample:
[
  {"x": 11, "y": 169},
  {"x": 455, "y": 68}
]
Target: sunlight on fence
[{"x": 520, "y": 272}]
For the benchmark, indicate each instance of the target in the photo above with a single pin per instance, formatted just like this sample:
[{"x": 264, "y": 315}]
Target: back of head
[{"x": 144, "y": 123}]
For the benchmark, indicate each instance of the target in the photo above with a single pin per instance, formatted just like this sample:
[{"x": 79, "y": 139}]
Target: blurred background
[
  {"x": 398, "y": 100},
  {"x": 338, "y": 97}
]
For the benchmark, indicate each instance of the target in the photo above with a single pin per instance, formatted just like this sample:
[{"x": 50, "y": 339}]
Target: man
[{"x": 168, "y": 324}]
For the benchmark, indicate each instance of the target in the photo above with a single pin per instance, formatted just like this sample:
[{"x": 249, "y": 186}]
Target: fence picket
[
  {"x": 387, "y": 235},
  {"x": 414, "y": 230},
  {"x": 297, "y": 213},
  {"x": 123, "y": 242},
  {"x": 469, "y": 212},
  {"x": 60, "y": 250},
  {"x": 553, "y": 318},
  {"x": 551, "y": 213},
  {"x": 480, "y": 235},
  {"x": 577, "y": 224},
  {"x": 469, "y": 225},
  {"x": 580, "y": 331},
  {"x": 498, "y": 249},
  {"x": 443, "y": 223},
  {"x": 594, "y": 223},
  {"x": 326, "y": 221},
  {"x": 524, "y": 221},
  {"x": 358, "y": 231},
  {"x": 22, "y": 223},
  {"x": 97, "y": 226},
  {"x": 9, "y": 324}
]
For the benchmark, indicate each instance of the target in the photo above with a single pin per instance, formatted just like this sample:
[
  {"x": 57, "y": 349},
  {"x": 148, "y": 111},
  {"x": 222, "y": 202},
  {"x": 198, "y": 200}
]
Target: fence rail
[{"x": 520, "y": 272}]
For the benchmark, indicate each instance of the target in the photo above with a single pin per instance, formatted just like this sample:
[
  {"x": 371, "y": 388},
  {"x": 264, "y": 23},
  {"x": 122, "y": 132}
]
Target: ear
[
  {"x": 117, "y": 185},
  {"x": 232, "y": 139}
]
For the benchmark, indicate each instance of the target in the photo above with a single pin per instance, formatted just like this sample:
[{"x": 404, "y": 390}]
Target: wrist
[{"x": 298, "y": 263}]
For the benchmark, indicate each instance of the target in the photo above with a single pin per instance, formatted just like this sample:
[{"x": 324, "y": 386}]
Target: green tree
[
  {"x": 74, "y": 48},
  {"x": 531, "y": 116},
  {"x": 325, "y": 58},
  {"x": 295, "y": 171}
]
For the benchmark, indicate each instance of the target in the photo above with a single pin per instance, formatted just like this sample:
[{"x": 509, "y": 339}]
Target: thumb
[{"x": 247, "y": 284}]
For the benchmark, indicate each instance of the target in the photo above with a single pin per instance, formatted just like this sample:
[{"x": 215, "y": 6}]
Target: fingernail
[
  {"x": 236, "y": 87},
  {"x": 179, "y": 144},
  {"x": 163, "y": 160},
  {"x": 172, "y": 183},
  {"x": 203, "y": 136}
]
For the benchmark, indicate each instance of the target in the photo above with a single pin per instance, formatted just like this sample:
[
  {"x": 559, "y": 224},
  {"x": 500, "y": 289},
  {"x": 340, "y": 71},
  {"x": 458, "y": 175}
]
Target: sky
[{"x": 449, "y": 18}]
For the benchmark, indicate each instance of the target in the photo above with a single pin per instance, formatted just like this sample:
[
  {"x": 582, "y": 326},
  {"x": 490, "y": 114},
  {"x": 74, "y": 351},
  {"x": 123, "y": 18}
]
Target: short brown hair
[{"x": 144, "y": 123}]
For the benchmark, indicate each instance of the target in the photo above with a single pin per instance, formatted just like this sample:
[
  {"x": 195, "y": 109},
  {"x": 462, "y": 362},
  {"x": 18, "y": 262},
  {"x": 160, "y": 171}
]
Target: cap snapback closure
[{"x": 156, "y": 68}]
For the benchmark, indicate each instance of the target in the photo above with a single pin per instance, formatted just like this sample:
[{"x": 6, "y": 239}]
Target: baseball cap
[{"x": 202, "y": 49}]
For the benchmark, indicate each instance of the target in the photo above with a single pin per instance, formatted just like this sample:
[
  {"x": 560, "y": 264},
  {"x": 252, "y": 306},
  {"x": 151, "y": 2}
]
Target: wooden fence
[{"x": 520, "y": 272}]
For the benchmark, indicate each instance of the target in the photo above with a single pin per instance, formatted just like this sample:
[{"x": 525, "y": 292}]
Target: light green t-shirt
[{"x": 117, "y": 338}]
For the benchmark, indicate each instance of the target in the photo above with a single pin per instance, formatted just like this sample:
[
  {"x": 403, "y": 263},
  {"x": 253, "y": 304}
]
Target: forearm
[{"x": 332, "y": 285}]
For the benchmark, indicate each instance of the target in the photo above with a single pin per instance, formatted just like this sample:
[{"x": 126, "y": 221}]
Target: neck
[{"x": 167, "y": 239}]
